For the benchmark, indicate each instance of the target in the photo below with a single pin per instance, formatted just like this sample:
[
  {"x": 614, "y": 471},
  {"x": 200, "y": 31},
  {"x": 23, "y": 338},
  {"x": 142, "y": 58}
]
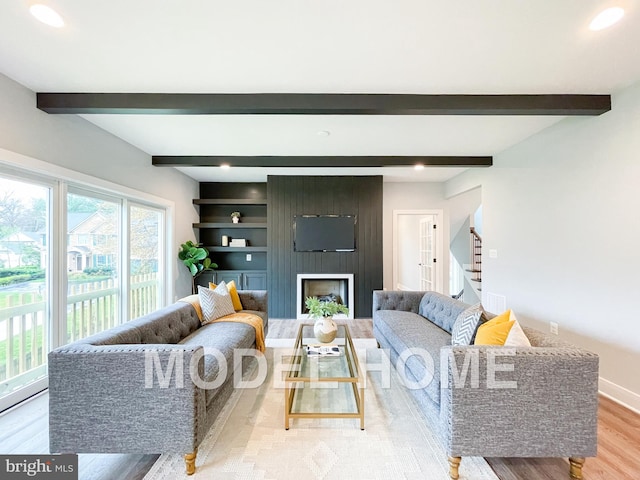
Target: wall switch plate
[
  {"x": 248, "y": 257},
  {"x": 493, "y": 253},
  {"x": 553, "y": 328}
]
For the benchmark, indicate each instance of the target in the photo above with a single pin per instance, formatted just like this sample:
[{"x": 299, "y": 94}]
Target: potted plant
[
  {"x": 196, "y": 258},
  {"x": 325, "y": 329},
  {"x": 235, "y": 217}
]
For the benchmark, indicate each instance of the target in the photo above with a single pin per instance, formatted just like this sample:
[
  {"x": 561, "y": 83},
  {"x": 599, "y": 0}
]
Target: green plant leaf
[{"x": 195, "y": 257}]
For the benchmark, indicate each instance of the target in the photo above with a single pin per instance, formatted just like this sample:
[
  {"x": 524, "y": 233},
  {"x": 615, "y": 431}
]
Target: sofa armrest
[
  {"x": 407, "y": 301},
  {"x": 519, "y": 402},
  {"x": 254, "y": 300},
  {"x": 125, "y": 398}
]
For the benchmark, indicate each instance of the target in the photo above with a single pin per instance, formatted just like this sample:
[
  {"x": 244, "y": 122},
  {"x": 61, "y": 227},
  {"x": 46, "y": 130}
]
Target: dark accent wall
[{"x": 291, "y": 195}]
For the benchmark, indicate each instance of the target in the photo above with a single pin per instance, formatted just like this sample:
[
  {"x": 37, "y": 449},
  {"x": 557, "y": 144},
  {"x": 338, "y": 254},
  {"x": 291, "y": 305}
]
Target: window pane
[
  {"x": 93, "y": 256},
  {"x": 24, "y": 317},
  {"x": 144, "y": 260}
]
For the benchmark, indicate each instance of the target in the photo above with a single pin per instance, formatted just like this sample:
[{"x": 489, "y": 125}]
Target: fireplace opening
[{"x": 327, "y": 287}]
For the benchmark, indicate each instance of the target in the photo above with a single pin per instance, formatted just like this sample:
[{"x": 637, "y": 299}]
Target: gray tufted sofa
[
  {"x": 130, "y": 389},
  {"x": 538, "y": 401}
]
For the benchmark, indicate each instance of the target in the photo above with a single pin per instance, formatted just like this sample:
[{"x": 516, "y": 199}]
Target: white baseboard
[{"x": 620, "y": 395}]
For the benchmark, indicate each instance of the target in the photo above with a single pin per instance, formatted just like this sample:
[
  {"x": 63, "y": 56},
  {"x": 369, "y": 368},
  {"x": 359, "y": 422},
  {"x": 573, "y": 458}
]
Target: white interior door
[
  {"x": 417, "y": 250},
  {"x": 428, "y": 261}
]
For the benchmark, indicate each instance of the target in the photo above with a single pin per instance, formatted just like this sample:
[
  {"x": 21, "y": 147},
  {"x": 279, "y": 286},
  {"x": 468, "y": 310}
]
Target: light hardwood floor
[{"x": 25, "y": 430}]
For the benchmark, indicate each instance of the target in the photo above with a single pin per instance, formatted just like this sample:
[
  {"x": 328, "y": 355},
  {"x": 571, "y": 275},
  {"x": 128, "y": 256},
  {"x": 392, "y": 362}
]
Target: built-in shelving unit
[
  {"x": 246, "y": 265},
  {"x": 228, "y": 225}
]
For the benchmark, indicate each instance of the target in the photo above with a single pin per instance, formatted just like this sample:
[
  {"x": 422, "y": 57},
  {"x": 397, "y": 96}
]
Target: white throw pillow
[
  {"x": 516, "y": 337},
  {"x": 215, "y": 303}
]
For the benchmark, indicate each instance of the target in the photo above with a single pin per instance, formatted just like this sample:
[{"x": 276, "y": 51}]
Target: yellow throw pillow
[
  {"x": 495, "y": 331},
  {"x": 233, "y": 291}
]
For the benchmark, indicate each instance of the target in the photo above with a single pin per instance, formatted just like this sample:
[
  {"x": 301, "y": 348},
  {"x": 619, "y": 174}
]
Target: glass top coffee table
[{"x": 323, "y": 386}]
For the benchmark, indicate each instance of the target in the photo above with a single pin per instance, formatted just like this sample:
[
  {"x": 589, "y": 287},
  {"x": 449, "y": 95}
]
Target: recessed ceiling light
[
  {"x": 606, "y": 18},
  {"x": 225, "y": 166},
  {"x": 324, "y": 133},
  {"x": 419, "y": 166},
  {"x": 47, "y": 15}
]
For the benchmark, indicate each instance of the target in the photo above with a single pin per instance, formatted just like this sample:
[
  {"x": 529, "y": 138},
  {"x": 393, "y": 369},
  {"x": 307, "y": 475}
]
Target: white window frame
[{"x": 62, "y": 180}]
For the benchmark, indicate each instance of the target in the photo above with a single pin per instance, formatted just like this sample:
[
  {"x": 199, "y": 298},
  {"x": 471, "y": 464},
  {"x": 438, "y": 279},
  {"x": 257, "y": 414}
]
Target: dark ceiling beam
[
  {"x": 320, "y": 104},
  {"x": 317, "y": 161}
]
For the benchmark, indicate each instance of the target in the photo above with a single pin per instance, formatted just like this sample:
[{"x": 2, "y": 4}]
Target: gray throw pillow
[
  {"x": 466, "y": 325},
  {"x": 215, "y": 303}
]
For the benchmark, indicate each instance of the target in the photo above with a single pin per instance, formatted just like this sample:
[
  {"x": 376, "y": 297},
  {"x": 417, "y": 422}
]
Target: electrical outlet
[
  {"x": 248, "y": 257},
  {"x": 553, "y": 328}
]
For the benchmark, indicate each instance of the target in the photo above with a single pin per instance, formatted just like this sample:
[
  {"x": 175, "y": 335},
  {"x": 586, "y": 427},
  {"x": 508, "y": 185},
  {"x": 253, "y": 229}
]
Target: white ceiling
[{"x": 304, "y": 46}]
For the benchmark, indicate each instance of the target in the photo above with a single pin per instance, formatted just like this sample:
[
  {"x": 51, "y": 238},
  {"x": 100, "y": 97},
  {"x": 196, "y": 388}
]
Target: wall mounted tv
[{"x": 324, "y": 233}]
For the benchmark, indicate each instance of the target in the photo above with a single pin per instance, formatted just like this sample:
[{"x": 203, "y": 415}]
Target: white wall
[
  {"x": 561, "y": 209},
  {"x": 423, "y": 196},
  {"x": 72, "y": 142}
]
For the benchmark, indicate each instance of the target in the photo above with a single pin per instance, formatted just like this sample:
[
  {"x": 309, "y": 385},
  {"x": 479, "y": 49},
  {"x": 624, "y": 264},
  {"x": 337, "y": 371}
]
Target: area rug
[{"x": 249, "y": 440}]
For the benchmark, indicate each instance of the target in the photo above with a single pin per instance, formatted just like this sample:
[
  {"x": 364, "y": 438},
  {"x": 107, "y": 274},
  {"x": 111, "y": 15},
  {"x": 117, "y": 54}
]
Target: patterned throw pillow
[
  {"x": 233, "y": 291},
  {"x": 466, "y": 324},
  {"x": 215, "y": 303}
]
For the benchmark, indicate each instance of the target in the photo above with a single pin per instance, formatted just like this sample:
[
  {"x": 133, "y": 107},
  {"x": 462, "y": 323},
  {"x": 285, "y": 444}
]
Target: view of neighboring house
[
  {"x": 22, "y": 249},
  {"x": 91, "y": 241}
]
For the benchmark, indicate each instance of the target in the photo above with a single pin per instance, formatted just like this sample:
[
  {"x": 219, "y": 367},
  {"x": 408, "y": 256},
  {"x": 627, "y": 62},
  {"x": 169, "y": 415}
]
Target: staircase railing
[{"x": 476, "y": 256}]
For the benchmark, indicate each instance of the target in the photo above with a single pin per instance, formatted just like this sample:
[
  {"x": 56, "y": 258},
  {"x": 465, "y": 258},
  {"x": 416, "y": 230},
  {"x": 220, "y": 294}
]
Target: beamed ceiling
[{"x": 321, "y": 88}]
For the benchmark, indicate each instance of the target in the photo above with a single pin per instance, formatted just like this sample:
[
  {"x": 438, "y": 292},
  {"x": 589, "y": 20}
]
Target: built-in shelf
[
  {"x": 229, "y": 201},
  {"x": 246, "y": 265},
  {"x": 229, "y": 225},
  {"x": 236, "y": 249}
]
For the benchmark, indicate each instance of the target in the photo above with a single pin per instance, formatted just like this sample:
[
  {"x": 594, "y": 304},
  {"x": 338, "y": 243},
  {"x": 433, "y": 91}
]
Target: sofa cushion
[
  {"x": 516, "y": 337},
  {"x": 441, "y": 309},
  {"x": 405, "y": 331},
  {"x": 215, "y": 303},
  {"x": 233, "y": 291},
  {"x": 220, "y": 339},
  {"x": 465, "y": 326},
  {"x": 495, "y": 331}
]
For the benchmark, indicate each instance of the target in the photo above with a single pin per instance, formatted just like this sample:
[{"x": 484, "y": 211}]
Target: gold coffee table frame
[{"x": 341, "y": 369}]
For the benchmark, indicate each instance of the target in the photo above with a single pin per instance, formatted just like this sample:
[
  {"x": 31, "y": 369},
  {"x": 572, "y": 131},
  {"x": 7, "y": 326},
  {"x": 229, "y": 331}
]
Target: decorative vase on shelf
[
  {"x": 235, "y": 217},
  {"x": 325, "y": 329}
]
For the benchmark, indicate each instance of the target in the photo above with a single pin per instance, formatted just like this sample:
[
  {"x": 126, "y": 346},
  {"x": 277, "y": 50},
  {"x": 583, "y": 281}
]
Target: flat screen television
[{"x": 324, "y": 233}]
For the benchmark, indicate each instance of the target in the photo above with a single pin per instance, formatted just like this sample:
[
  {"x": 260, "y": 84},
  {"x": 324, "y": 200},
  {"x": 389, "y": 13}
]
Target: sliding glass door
[
  {"x": 145, "y": 260},
  {"x": 93, "y": 264},
  {"x": 25, "y": 293},
  {"x": 74, "y": 261}
]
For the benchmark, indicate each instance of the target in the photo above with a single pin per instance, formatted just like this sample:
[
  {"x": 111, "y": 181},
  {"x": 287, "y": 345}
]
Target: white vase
[
  {"x": 235, "y": 219},
  {"x": 325, "y": 329}
]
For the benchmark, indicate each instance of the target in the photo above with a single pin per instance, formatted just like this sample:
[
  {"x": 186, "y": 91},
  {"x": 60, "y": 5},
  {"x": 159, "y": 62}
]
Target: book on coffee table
[{"x": 324, "y": 350}]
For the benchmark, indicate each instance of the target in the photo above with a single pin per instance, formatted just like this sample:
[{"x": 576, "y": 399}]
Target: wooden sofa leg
[
  {"x": 454, "y": 463},
  {"x": 575, "y": 467},
  {"x": 190, "y": 462}
]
